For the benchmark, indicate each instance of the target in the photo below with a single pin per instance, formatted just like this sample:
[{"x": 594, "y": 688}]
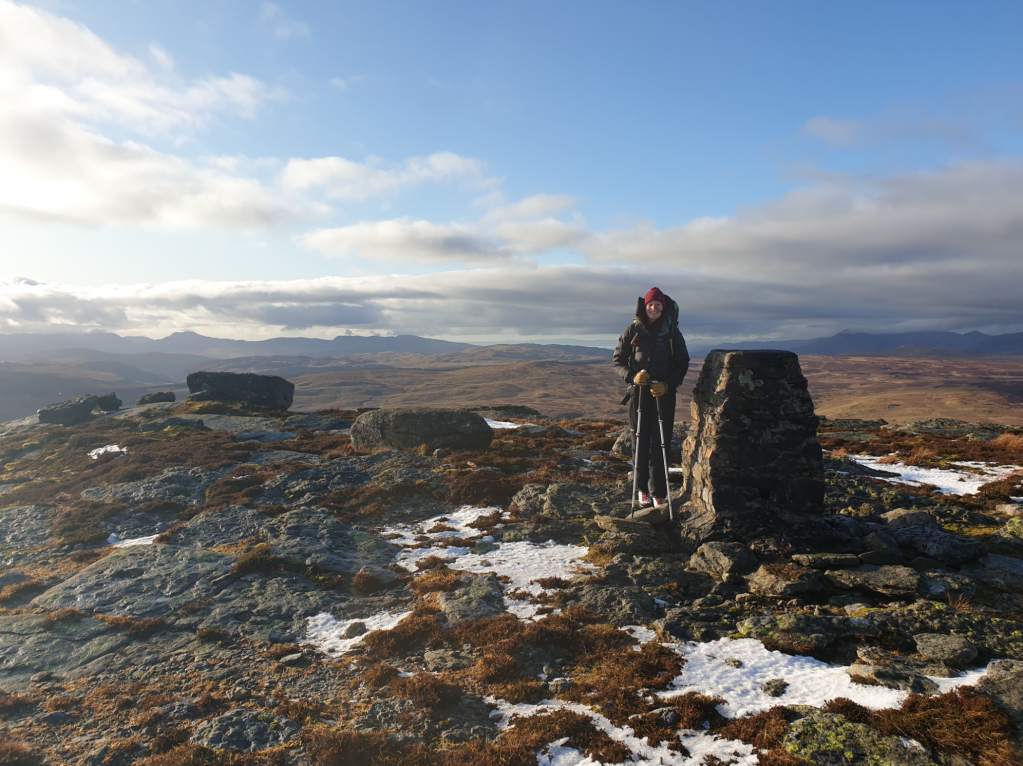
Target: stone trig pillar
[{"x": 752, "y": 465}]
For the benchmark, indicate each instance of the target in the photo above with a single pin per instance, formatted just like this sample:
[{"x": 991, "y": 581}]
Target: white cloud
[
  {"x": 847, "y": 133},
  {"x": 918, "y": 223},
  {"x": 283, "y": 28},
  {"x": 531, "y": 208},
  {"x": 59, "y": 81},
  {"x": 407, "y": 241},
  {"x": 345, "y": 179},
  {"x": 344, "y": 83}
]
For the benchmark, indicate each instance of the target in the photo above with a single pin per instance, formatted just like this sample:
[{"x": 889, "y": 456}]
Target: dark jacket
[{"x": 659, "y": 349}]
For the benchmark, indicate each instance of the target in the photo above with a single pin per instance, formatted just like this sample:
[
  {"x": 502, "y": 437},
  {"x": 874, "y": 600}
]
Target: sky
[{"x": 510, "y": 171}]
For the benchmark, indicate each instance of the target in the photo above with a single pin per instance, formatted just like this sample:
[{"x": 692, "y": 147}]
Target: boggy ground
[{"x": 258, "y": 592}]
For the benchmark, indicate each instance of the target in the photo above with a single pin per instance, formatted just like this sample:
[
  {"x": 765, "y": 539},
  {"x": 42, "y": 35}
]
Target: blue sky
[{"x": 492, "y": 171}]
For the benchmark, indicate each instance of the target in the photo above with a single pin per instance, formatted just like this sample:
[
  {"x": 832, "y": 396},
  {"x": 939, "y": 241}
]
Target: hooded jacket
[{"x": 657, "y": 347}]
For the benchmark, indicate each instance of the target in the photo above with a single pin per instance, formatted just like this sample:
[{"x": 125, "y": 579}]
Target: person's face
[{"x": 653, "y": 310}]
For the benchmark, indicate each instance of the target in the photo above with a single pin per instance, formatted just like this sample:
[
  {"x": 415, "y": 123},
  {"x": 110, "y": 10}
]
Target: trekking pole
[
  {"x": 664, "y": 450},
  {"x": 635, "y": 444}
]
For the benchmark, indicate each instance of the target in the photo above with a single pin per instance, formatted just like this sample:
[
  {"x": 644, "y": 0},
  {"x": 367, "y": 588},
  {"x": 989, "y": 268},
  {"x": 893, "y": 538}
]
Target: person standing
[{"x": 651, "y": 356}]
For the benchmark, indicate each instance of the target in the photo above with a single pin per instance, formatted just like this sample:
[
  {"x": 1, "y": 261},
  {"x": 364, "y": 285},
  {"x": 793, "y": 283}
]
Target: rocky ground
[{"x": 205, "y": 583}]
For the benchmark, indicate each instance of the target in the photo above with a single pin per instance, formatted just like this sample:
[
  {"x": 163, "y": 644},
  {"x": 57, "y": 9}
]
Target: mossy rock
[{"x": 828, "y": 739}]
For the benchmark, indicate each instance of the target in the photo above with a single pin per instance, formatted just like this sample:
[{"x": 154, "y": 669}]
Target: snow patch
[
  {"x": 517, "y": 563},
  {"x": 641, "y": 634},
  {"x": 105, "y": 450},
  {"x": 499, "y": 424},
  {"x": 117, "y": 542},
  {"x": 700, "y": 744},
  {"x": 327, "y": 633},
  {"x": 811, "y": 682},
  {"x": 948, "y": 480}
]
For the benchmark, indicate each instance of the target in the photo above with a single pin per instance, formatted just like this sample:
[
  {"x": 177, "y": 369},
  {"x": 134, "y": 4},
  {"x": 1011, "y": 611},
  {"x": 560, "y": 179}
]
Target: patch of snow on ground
[
  {"x": 499, "y": 424},
  {"x": 811, "y": 682},
  {"x": 641, "y": 634},
  {"x": 94, "y": 454},
  {"x": 327, "y": 633},
  {"x": 948, "y": 481},
  {"x": 521, "y": 561},
  {"x": 699, "y": 744},
  {"x": 117, "y": 542}
]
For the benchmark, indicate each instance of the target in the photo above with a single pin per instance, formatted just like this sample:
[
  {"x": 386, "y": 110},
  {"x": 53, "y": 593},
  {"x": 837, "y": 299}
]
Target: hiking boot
[
  {"x": 644, "y": 499},
  {"x": 658, "y": 502}
]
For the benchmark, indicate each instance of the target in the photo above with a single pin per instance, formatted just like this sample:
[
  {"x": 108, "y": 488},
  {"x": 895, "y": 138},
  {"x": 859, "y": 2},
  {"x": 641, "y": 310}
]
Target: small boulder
[
  {"x": 891, "y": 581},
  {"x": 938, "y": 544},
  {"x": 775, "y": 687},
  {"x": 108, "y": 402},
  {"x": 261, "y": 390},
  {"x": 785, "y": 581},
  {"x": 156, "y": 397},
  {"x": 906, "y": 518},
  {"x": 1010, "y": 509},
  {"x": 69, "y": 412},
  {"x": 408, "y": 428},
  {"x": 723, "y": 558},
  {"x": 891, "y": 678},
  {"x": 248, "y": 731},
  {"x": 827, "y": 560},
  {"x": 634, "y": 535},
  {"x": 950, "y": 650}
]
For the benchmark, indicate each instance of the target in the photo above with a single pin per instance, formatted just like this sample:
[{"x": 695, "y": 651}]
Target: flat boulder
[
  {"x": 949, "y": 650},
  {"x": 156, "y": 397},
  {"x": 785, "y": 581},
  {"x": 248, "y": 731},
  {"x": 70, "y": 412},
  {"x": 108, "y": 402},
  {"x": 723, "y": 558},
  {"x": 938, "y": 544},
  {"x": 408, "y": 428},
  {"x": 249, "y": 388},
  {"x": 891, "y": 581}
]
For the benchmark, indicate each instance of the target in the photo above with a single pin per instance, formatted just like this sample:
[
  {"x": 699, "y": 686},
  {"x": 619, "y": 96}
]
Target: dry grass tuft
[
  {"x": 379, "y": 674},
  {"x": 427, "y": 691},
  {"x": 614, "y": 680},
  {"x": 135, "y": 628},
  {"x": 960, "y": 722},
  {"x": 21, "y": 590},
  {"x": 16, "y": 753},
  {"x": 366, "y": 582},
  {"x": 69, "y": 614},
  {"x": 260, "y": 559},
  {"x": 765, "y": 731},
  {"x": 437, "y": 580},
  {"x": 277, "y": 651},
  {"x": 416, "y": 630},
  {"x": 197, "y": 755},
  {"x": 484, "y": 488},
  {"x": 486, "y": 522},
  {"x": 213, "y": 635},
  {"x": 12, "y": 703},
  {"x": 1010, "y": 442}
]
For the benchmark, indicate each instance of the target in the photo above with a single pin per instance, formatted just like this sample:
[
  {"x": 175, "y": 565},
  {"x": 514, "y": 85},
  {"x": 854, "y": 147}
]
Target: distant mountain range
[{"x": 907, "y": 344}]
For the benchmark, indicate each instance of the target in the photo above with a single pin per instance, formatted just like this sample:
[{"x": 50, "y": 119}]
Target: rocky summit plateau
[{"x": 226, "y": 581}]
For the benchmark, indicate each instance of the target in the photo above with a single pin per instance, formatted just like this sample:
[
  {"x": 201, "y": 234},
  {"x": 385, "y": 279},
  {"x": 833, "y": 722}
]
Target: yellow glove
[
  {"x": 642, "y": 378},
  {"x": 658, "y": 388}
]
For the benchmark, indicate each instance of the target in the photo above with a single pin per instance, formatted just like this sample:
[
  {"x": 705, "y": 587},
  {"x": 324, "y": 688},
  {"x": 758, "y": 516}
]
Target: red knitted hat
[{"x": 655, "y": 294}]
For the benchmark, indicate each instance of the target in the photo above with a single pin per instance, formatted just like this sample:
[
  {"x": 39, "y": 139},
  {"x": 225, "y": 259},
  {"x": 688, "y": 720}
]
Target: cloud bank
[{"x": 931, "y": 249}]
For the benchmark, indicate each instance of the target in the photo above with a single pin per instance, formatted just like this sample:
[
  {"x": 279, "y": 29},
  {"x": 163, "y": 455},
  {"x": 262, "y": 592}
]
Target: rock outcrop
[
  {"x": 156, "y": 397},
  {"x": 412, "y": 427},
  {"x": 752, "y": 463},
  {"x": 70, "y": 412},
  {"x": 261, "y": 390}
]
